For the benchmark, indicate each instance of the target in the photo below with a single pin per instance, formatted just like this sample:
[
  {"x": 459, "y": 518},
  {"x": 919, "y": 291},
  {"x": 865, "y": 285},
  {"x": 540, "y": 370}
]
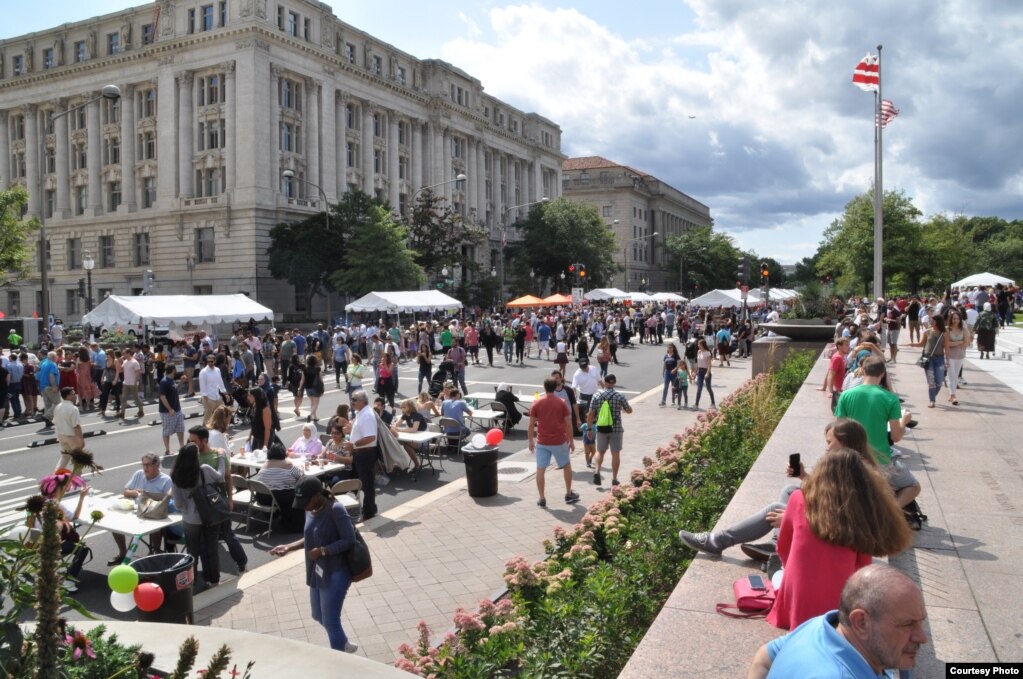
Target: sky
[{"x": 746, "y": 106}]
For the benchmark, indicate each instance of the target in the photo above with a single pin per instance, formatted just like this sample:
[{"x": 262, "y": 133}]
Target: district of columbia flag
[
  {"x": 888, "y": 112},
  {"x": 866, "y": 76}
]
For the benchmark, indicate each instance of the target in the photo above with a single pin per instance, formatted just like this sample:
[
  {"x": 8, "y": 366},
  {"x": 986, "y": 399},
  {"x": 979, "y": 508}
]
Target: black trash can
[
  {"x": 174, "y": 573},
  {"x": 481, "y": 470}
]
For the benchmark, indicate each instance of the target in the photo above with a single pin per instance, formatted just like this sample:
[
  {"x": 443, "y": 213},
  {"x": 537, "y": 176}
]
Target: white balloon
[
  {"x": 122, "y": 602},
  {"x": 479, "y": 441}
]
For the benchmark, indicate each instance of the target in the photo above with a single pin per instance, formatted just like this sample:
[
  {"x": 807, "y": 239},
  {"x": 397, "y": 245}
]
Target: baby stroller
[
  {"x": 445, "y": 372},
  {"x": 238, "y": 399}
]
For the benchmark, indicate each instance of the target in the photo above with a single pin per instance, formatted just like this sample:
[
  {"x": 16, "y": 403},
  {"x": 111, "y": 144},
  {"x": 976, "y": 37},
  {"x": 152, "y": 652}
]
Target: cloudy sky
[{"x": 746, "y": 106}]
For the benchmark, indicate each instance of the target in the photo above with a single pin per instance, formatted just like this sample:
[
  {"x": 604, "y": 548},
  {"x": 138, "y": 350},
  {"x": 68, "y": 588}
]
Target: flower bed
[{"x": 583, "y": 610}]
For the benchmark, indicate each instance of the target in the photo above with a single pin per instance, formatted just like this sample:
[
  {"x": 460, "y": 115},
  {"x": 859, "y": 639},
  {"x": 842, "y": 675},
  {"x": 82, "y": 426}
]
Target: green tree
[
  {"x": 707, "y": 259},
  {"x": 439, "y": 237},
  {"x": 376, "y": 254},
  {"x": 306, "y": 253},
  {"x": 14, "y": 233},
  {"x": 556, "y": 234}
]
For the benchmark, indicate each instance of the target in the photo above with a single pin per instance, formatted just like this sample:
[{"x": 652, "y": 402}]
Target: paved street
[{"x": 124, "y": 442}]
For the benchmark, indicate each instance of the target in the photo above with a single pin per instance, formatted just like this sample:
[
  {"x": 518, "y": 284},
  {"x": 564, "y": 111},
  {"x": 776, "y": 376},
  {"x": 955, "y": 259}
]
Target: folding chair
[
  {"x": 343, "y": 490},
  {"x": 505, "y": 421},
  {"x": 257, "y": 505},
  {"x": 242, "y": 494},
  {"x": 454, "y": 438}
]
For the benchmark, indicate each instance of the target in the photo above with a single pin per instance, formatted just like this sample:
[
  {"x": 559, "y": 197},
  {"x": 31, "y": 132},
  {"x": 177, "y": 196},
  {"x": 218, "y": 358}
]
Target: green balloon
[{"x": 123, "y": 579}]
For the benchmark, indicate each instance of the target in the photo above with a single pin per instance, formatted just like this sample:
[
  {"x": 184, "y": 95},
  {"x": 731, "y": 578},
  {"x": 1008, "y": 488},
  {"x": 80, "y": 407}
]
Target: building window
[
  {"x": 291, "y": 94},
  {"x": 202, "y": 290},
  {"x": 206, "y": 14},
  {"x": 204, "y": 249},
  {"x": 19, "y": 64},
  {"x": 457, "y": 148},
  {"x": 80, "y": 53},
  {"x": 290, "y": 135},
  {"x": 148, "y": 34},
  {"x": 376, "y": 65},
  {"x": 113, "y": 196},
  {"x": 72, "y": 302},
  {"x": 403, "y": 168},
  {"x": 19, "y": 164},
  {"x": 14, "y": 303},
  {"x": 149, "y": 192},
  {"x": 403, "y": 134},
  {"x": 211, "y": 90},
  {"x": 292, "y": 25},
  {"x": 48, "y": 60},
  {"x": 147, "y": 145},
  {"x": 377, "y": 125},
  {"x": 79, "y": 157},
  {"x": 140, "y": 249},
  {"x": 378, "y": 161},
  {"x": 149, "y": 103},
  {"x": 106, "y": 252},
  {"x": 79, "y": 119},
  {"x": 301, "y": 301},
  {"x": 351, "y": 120},
  {"x": 112, "y": 152},
  {"x": 350, "y": 52},
  {"x": 81, "y": 198},
  {"x": 113, "y": 43},
  {"x": 111, "y": 111},
  {"x": 74, "y": 253},
  {"x": 223, "y": 12},
  {"x": 51, "y": 160},
  {"x": 19, "y": 127},
  {"x": 606, "y": 211},
  {"x": 307, "y": 29},
  {"x": 50, "y": 200},
  {"x": 351, "y": 154},
  {"x": 209, "y": 182},
  {"x": 400, "y": 76},
  {"x": 211, "y": 134}
]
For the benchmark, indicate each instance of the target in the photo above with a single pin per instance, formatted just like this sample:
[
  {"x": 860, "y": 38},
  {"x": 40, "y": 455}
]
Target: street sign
[
  {"x": 577, "y": 295},
  {"x": 745, "y": 291}
]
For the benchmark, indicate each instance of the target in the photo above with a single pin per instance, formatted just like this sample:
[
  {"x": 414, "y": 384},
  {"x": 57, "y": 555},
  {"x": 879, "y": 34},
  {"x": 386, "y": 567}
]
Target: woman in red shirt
[{"x": 844, "y": 513}]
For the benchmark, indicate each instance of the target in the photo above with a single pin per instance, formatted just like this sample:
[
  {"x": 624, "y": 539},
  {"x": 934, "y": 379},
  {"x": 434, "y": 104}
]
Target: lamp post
[
  {"x": 504, "y": 234},
  {"x": 562, "y": 281},
  {"x": 532, "y": 280},
  {"x": 107, "y": 92},
  {"x": 415, "y": 194},
  {"x": 89, "y": 264},
  {"x": 190, "y": 265},
  {"x": 625, "y": 253},
  {"x": 326, "y": 211}
]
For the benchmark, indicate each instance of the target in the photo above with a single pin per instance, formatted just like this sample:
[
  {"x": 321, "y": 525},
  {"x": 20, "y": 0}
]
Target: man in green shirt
[
  {"x": 879, "y": 411},
  {"x": 13, "y": 339}
]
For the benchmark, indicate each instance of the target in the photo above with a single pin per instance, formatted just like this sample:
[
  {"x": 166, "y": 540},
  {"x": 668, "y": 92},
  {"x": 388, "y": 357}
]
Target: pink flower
[{"x": 81, "y": 645}]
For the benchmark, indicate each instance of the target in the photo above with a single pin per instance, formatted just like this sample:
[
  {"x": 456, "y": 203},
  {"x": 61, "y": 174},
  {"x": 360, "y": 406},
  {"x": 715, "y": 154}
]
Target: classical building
[
  {"x": 643, "y": 212},
  {"x": 235, "y": 115}
]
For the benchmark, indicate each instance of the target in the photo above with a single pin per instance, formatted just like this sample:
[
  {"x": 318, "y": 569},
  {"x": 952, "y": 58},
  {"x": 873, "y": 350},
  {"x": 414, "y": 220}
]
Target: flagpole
[{"x": 878, "y": 190}]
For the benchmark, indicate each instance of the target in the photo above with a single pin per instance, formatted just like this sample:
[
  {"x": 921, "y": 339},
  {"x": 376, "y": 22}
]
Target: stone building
[
  {"x": 636, "y": 206},
  {"x": 185, "y": 174}
]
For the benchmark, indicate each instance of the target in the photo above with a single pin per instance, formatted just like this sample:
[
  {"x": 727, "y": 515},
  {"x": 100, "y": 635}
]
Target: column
[
  {"x": 60, "y": 134},
  {"x": 275, "y": 128},
  {"x": 94, "y": 157},
  {"x": 444, "y": 170},
  {"x": 331, "y": 147},
  {"x": 186, "y": 143},
  {"x": 367, "y": 147},
  {"x": 166, "y": 137},
  {"x": 231, "y": 123},
  {"x": 32, "y": 176},
  {"x": 481, "y": 184},
  {"x": 5, "y": 151},
  {"x": 416, "y": 159},
  {"x": 495, "y": 164},
  {"x": 472, "y": 170},
  {"x": 436, "y": 161},
  {"x": 312, "y": 135},
  {"x": 128, "y": 145},
  {"x": 340, "y": 144},
  {"x": 393, "y": 182},
  {"x": 538, "y": 179}
]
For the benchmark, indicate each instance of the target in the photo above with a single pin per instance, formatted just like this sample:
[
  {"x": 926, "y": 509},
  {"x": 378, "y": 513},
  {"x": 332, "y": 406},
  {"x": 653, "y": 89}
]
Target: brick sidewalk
[{"x": 444, "y": 550}]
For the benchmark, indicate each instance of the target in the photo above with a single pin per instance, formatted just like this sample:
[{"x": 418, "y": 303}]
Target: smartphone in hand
[{"x": 794, "y": 464}]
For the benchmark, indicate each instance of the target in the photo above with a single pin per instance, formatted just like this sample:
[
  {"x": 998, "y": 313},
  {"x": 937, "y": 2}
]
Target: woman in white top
[
  {"x": 354, "y": 374},
  {"x": 217, "y": 425},
  {"x": 703, "y": 369},
  {"x": 307, "y": 445},
  {"x": 959, "y": 337}
]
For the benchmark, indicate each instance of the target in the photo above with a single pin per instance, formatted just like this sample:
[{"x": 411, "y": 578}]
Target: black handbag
[
  {"x": 211, "y": 502},
  {"x": 925, "y": 359},
  {"x": 358, "y": 559}
]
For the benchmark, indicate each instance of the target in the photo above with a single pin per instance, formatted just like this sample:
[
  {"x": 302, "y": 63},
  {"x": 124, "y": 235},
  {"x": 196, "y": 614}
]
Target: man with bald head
[{"x": 879, "y": 626}]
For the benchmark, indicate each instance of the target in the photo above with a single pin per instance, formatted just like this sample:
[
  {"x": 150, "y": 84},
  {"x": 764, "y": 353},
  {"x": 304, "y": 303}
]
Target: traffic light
[
  {"x": 147, "y": 281},
  {"x": 765, "y": 273},
  {"x": 581, "y": 268},
  {"x": 743, "y": 271}
]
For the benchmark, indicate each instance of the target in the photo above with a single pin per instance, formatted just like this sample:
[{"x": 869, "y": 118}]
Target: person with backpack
[
  {"x": 605, "y": 413},
  {"x": 986, "y": 328}
]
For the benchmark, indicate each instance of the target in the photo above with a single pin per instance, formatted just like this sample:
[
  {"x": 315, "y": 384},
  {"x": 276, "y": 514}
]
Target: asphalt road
[{"x": 118, "y": 446}]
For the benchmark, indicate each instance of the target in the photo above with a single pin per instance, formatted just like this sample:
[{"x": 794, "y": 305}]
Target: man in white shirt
[
  {"x": 149, "y": 479},
  {"x": 68, "y": 426},
  {"x": 211, "y": 386},
  {"x": 132, "y": 371},
  {"x": 586, "y": 383},
  {"x": 363, "y": 447}
]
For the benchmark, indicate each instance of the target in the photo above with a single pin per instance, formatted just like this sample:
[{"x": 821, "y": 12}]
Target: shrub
[{"x": 583, "y": 610}]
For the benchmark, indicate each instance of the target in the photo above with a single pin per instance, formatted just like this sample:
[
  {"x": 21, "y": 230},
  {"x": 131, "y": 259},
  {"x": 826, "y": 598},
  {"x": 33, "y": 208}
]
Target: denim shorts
[{"x": 544, "y": 454}]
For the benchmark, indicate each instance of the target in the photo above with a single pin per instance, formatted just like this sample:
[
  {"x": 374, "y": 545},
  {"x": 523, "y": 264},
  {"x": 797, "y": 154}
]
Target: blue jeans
[
  {"x": 326, "y": 606},
  {"x": 935, "y": 376},
  {"x": 702, "y": 379},
  {"x": 667, "y": 385},
  {"x": 508, "y": 344}
]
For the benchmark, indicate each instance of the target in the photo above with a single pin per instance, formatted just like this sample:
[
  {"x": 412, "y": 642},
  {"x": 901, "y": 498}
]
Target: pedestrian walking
[
  {"x": 67, "y": 425},
  {"x": 704, "y": 365},
  {"x": 171, "y": 417},
  {"x": 550, "y": 435},
  {"x": 608, "y": 421}
]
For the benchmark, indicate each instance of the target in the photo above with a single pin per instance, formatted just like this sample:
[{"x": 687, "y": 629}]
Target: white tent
[
  {"x": 983, "y": 280},
  {"x": 404, "y": 301},
  {"x": 668, "y": 297},
  {"x": 641, "y": 297},
  {"x": 716, "y": 298},
  {"x": 776, "y": 294},
  {"x": 604, "y": 294},
  {"x": 180, "y": 309}
]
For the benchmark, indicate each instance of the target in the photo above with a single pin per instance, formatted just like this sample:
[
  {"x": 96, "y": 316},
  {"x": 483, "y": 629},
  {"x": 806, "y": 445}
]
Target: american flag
[
  {"x": 866, "y": 76},
  {"x": 888, "y": 112}
]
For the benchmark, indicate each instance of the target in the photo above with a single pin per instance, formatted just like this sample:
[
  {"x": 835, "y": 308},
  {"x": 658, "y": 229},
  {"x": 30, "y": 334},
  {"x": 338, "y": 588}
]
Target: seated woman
[
  {"x": 307, "y": 445},
  {"x": 844, "y": 513},
  {"x": 411, "y": 420},
  {"x": 341, "y": 418},
  {"x": 426, "y": 406},
  {"x": 71, "y": 544},
  {"x": 281, "y": 476},
  {"x": 505, "y": 397}
]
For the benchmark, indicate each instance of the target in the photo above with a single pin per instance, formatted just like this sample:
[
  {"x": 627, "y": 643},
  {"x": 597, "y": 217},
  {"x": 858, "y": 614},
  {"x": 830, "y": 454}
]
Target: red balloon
[
  {"x": 148, "y": 596},
  {"x": 495, "y": 436}
]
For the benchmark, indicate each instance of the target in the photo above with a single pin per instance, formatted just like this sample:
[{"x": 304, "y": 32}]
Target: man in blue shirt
[
  {"x": 455, "y": 408},
  {"x": 543, "y": 340},
  {"x": 149, "y": 479},
  {"x": 99, "y": 362},
  {"x": 49, "y": 385},
  {"x": 879, "y": 626},
  {"x": 15, "y": 371}
]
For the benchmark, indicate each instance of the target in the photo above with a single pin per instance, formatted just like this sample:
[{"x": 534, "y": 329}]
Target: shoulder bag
[
  {"x": 357, "y": 559},
  {"x": 749, "y": 602},
  {"x": 925, "y": 359},
  {"x": 211, "y": 502},
  {"x": 153, "y": 505}
]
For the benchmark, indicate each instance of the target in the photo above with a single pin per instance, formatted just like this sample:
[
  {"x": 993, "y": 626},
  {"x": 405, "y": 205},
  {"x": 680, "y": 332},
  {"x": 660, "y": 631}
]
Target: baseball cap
[
  {"x": 584, "y": 361},
  {"x": 610, "y": 379},
  {"x": 305, "y": 491}
]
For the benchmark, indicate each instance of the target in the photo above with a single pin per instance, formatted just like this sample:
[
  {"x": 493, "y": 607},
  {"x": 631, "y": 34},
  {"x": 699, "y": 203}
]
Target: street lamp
[
  {"x": 504, "y": 233},
  {"x": 625, "y": 253},
  {"x": 89, "y": 264},
  {"x": 415, "y": 194},
  {"x": 289, "y": 174},
  {"x": 532, "y": 280},
  {"x": 107, "y": 92},
  {"x": 190, "y": 265}
]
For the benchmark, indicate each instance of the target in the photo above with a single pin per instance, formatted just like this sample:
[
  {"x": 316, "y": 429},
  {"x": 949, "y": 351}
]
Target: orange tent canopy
[
  {"x": 557, "y": 300},
  {"x": 523, "y": 302}
]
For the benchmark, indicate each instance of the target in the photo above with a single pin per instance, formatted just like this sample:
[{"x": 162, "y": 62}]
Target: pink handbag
[{"x": 749, "y": 602}]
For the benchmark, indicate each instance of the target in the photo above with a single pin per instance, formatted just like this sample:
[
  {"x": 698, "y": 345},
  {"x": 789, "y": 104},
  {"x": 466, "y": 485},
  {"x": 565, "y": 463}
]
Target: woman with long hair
[
  {"x": 87, "y": 389},
  {"x": 844, "y": 513},
  {"x": 604, "y": 353},
  {"x": 295, "y": 383},
  {"x": 201, "y": 540},
  {"x": 958, "y": 339},
  {"x": 669, "y": 369},
  {"x": 935, "y": 342},
  {"x": 312, "y": 382},
  {"x": 704, "y": 365},
  {"x": 217, "y": 424},
  {"x": 262, "y": 428},
  {"x": 386, "y": 371}
]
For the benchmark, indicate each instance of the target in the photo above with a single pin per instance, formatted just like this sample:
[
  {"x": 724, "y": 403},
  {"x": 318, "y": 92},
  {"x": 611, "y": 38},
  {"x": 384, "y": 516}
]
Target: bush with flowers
[{"x": 582, "y": 611}]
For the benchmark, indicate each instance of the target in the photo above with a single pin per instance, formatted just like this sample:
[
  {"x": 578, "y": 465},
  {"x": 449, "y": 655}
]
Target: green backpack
[{"x": 605, "y": 421}]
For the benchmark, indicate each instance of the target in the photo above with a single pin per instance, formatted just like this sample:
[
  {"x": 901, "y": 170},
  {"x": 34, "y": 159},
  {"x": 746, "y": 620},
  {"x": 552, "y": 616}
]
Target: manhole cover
[{"x": 512, "y": 470}]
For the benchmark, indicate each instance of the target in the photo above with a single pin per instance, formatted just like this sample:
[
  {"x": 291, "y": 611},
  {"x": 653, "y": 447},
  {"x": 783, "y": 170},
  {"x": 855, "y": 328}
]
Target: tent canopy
[
  {"x": 404, "y": 301},
  {"x": 640, "y": 297},
  {"x": 557, "y": 300},
  {"x": 526, "y": 301},
  {"x": 716, "y": 298},
  {"x": 983, "y": 280},
  {"x": 603, "y": 294},
  {"x": 118, "y": 310},
  {"x": 668, "y": 297}
]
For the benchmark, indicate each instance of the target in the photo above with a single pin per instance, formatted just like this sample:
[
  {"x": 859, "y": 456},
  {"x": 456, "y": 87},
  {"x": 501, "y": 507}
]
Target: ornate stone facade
[{"x": 218, "y": 99}]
